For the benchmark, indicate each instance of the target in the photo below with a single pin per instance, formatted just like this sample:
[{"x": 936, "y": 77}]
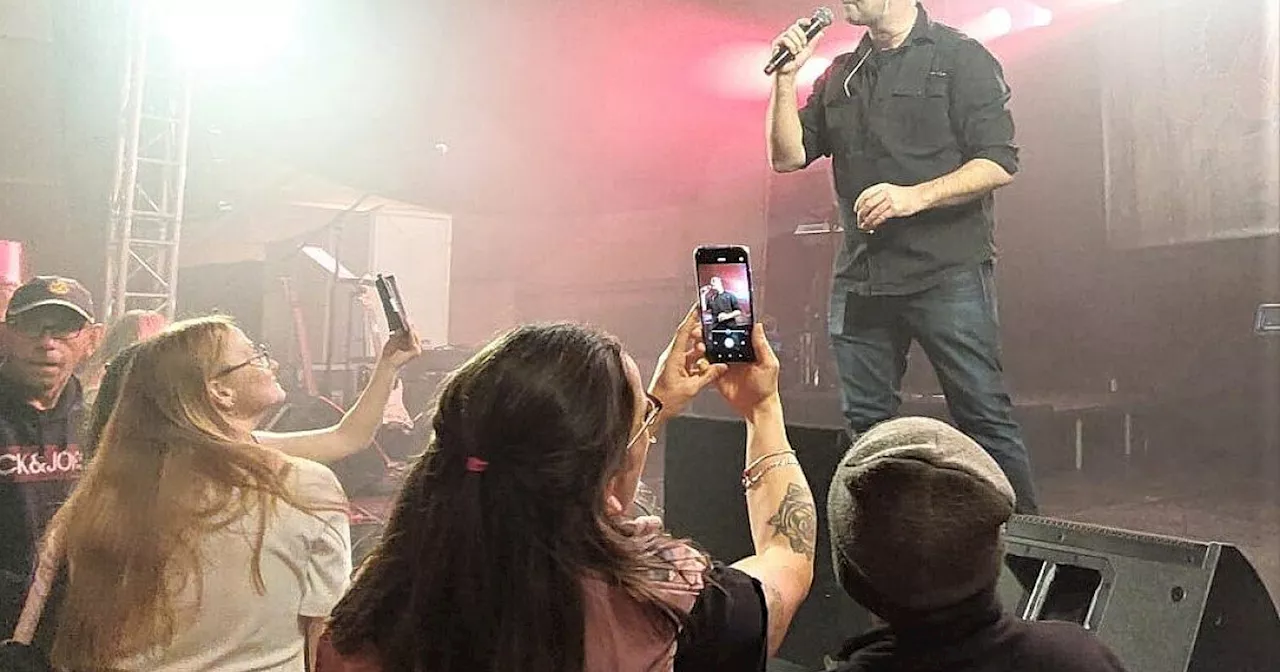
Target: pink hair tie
[{"x": 476, "y": 465}]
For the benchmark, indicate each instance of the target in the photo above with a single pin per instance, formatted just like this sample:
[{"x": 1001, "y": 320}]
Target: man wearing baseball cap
[
  {"x": 916, "y": 509},
  {"x": 49, "y": 329}
]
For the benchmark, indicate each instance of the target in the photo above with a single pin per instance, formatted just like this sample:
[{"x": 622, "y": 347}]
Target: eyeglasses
[
  {"x": 261, "y": 358},
  {"x": 650, "y": 416},
  {"x": 61, "y": 330}
]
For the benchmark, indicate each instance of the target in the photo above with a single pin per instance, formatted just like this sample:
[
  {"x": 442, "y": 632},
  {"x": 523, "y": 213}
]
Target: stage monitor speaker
[
  {"x": 1162, "y": 604},
  {"x": 704, "y": 501}
]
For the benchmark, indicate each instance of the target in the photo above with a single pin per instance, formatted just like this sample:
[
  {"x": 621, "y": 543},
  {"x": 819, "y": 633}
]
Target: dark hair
[
  {"x": 482, "y": 571},
  {"x": 108, "y": 394}
]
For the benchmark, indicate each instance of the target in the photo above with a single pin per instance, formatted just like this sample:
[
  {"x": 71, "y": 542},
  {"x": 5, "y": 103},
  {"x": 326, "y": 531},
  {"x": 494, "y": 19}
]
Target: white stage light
[
  {"x": 227, "y": 34},
  {"x": 992, "y": 25},
  {"x": 1041, "y": 16}
]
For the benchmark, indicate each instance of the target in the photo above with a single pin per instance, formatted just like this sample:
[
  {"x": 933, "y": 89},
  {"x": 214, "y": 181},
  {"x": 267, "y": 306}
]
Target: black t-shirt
[
  {"x": 724, "y": 302},
  {"x": 40, "y": 462},
  {"x": 728, "y": 626}
]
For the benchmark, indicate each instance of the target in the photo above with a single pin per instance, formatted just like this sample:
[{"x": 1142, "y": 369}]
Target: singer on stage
[{"x": 916, "y": 125}]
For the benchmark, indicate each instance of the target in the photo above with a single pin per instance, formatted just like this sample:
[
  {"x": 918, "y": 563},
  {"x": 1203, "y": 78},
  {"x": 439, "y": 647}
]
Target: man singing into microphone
[{"x": 916, "y": 125}]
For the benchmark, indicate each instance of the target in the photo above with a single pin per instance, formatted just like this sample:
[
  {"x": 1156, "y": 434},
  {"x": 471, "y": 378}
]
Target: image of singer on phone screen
[{"x": 724, "y": 295}]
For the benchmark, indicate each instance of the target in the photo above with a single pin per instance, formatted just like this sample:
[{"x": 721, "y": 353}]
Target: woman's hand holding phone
[
  {"x": 683, "y": 370},
  {"x": 401, "y": 348},
  {"x": 752, "y": 387}
]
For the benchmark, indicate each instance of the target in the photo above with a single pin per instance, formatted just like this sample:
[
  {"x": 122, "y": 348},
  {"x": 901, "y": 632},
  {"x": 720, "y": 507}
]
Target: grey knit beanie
[{"x": 915, "y": 510}]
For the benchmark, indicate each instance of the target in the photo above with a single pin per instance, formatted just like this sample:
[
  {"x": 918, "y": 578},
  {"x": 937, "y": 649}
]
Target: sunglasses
[{"x": 61, "y": 330}]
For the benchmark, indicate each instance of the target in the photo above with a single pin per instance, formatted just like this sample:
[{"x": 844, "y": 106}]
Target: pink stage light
[
  {"x": 734, "y": 71},
  {"x": 812, "y": 70}
]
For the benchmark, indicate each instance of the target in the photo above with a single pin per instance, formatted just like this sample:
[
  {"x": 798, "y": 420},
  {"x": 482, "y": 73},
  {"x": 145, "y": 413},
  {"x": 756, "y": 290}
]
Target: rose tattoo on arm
[{"x": 797, "y": 520}]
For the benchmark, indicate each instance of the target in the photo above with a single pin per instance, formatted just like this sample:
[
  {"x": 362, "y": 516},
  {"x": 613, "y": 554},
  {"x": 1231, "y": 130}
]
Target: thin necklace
[
  {"x": 855, "y": 70},
  {"x": 872, "y": 48}
]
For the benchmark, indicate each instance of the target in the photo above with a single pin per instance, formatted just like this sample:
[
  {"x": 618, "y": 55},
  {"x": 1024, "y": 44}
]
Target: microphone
[{"x": 821, "y": 18}]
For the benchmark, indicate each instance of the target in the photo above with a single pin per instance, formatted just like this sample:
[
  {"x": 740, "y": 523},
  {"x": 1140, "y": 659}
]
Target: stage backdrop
[{"x": 1191, "y": 117}]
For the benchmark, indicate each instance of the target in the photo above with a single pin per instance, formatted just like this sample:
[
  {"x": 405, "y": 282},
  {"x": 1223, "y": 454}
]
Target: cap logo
[{"x": 59, "y": 288}]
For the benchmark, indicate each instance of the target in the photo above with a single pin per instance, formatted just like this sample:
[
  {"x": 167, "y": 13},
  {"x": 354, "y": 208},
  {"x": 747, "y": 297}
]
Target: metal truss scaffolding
[{"x": 151, "y": 174}]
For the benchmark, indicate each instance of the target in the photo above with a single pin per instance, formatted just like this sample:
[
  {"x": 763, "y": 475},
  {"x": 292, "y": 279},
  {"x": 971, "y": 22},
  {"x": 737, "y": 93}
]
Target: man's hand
[
  {"x": 881, "y": 202},
  {"x": 793, "y": 40},
  {"x": 682, "y": 368}
]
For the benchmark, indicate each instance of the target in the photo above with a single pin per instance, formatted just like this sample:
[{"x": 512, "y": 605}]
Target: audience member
[
  {"x": 133, "y": 326},
  {"x": 108, "y": 392},
  {"x": 188, "y": 544},
  {"x": 916, "y": 510},
  {"x": 48, "y": 331},
  {"x": 51, "y": 329},
  {"x": 508, "y": 549}
]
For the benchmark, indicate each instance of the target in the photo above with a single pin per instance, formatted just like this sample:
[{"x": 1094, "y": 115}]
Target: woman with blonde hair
[{"x": 190, "y": 542}]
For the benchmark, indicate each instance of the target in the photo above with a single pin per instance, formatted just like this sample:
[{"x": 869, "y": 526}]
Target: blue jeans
[{"x": 956, "y": 323}]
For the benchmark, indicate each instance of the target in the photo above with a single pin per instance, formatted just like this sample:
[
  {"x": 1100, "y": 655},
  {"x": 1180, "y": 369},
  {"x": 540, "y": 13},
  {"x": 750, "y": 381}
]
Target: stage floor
[
  {"x": 1176, "y": 487},
  {"x": 1214, "y": 498}
]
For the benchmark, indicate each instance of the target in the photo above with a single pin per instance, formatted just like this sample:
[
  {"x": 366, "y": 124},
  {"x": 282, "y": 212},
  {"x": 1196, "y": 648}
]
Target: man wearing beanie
[{"x": 916, "y": 510}]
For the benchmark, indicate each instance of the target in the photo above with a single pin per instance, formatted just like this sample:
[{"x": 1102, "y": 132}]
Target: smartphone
[
  {"x": 392, "y": 306},
  {"x": 725, "y": 298}
]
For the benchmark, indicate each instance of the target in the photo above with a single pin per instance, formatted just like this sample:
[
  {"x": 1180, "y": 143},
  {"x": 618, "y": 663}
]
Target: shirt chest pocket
[
  {"x": 845, "y": 123},
  {"x": 919, "y": 112}
]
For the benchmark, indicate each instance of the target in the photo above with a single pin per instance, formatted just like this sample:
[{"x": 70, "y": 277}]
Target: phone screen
[{"x": 724, "y": 295}]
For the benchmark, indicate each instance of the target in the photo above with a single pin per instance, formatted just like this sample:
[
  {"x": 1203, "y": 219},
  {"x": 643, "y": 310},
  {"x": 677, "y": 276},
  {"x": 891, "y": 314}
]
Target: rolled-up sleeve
[
  {"x": 813, "y": 121},
  {"x": 981, "y": 108}
]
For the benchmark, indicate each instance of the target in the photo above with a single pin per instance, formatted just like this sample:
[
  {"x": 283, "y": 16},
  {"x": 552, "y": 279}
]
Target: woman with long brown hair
[
  {"x": 190, "y": 544},
  {"x": 508, "y": 548}
]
